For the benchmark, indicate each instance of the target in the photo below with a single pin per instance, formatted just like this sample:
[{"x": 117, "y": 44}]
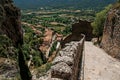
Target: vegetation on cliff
[
  {"x": 98, "y": 24},
  {"x": 111, "y": 34}
]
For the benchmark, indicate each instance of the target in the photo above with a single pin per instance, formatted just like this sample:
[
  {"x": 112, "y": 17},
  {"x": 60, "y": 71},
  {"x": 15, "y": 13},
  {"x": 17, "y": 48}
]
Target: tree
[
  {"x": 119, "y": 1},
  {"x": 99, "y": 21}
]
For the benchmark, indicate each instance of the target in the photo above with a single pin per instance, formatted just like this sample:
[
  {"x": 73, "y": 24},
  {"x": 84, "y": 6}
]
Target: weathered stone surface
[
  {"x": 61, "y": 70},
  {"x": 10, "y": 21},
  {"x": 98, "y": 65},
  {"x": 69, "y": 59},
  {"x": 83, "y": 27},
  {"x": 69, "y": 54},
  {"x": 66, "y": 59},
  {"x": 8, "y": 69},
  {"x": 10, "y": 24},
  {"x": 111, "y": 36}
]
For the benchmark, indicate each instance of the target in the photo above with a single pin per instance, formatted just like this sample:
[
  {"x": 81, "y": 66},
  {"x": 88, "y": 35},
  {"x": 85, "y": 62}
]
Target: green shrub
[
  {"x": 6, "y": 48},
  {"x": 37, "y": 61},
  {"x": 44, "y": 68},
  {"x": 53, "y": 48},
  {"x": 99, "y": 21}
]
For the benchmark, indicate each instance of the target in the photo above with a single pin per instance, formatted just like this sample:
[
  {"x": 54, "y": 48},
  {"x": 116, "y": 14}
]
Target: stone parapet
[{"x": 67, "y": 64}]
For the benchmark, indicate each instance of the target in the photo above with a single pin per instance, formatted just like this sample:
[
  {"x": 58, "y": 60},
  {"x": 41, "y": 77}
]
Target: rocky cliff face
[
  {"x": 10, "y": 21},
  {"x": 111, "y": 35},
  {"x": 10, "y": 25}
]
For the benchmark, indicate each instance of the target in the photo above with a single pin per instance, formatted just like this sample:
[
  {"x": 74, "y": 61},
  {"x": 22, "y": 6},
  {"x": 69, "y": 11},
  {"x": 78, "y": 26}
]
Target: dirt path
[{"x": 99, "y": 65}]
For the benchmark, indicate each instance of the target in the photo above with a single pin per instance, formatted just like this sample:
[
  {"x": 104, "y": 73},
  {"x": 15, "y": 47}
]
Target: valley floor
[{"x": 99, "y": 65}]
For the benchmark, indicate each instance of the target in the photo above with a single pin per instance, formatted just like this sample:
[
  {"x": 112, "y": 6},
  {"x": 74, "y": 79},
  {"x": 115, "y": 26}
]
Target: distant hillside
[{"x": 95, "y": 4}]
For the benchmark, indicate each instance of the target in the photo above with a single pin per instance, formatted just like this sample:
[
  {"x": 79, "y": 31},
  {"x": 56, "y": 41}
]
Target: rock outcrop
[
  {"x": 10, "y": 21},
  {"x": 10, "y": 25},
  {"x": 111, "y": 34},
  {"x": 8, "y": 69}
]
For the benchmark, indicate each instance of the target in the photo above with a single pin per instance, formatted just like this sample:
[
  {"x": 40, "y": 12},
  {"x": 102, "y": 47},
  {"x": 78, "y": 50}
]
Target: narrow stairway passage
[{"x": 99, "y": 65}]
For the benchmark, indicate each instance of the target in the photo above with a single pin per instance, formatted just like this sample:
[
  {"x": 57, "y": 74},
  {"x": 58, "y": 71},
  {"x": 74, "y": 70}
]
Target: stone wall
[
  {"x": 66, "y": 65},
  {"x": 111, "y": 36},
  {"x": 82, "y": 27}
]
